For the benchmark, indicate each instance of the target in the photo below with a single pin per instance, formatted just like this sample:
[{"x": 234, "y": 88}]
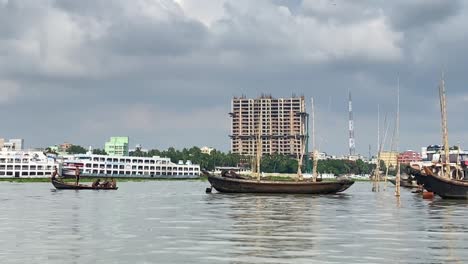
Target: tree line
[{"x": 276, "y": 163}]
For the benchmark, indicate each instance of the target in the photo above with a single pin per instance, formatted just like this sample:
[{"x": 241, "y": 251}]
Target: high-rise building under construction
[{"x": 280, "y": 125}]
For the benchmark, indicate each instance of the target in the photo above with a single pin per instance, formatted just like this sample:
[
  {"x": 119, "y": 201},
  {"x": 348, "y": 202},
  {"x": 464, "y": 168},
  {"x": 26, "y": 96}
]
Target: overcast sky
[{"x": 164, "y": 72}]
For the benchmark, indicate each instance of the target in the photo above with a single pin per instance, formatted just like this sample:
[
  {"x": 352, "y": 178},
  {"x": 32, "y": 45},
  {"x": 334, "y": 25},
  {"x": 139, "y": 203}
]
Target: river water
[{"x": 176, "y": 222}]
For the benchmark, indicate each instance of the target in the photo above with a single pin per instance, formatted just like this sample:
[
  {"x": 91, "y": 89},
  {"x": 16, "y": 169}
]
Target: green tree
[
  {"x": 75, "y": 149},
  {"x": 99, "y": 152}
]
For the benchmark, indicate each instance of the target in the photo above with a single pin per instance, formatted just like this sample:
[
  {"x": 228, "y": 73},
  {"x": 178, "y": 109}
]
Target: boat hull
[
  {"x": 69, "y": 186},
  {"x": 231, "y": 185},
  {"x": 446, "y": 188}
]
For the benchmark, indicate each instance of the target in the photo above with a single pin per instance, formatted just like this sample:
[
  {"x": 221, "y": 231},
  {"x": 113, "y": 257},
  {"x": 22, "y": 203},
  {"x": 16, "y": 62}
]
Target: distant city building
[
  {"x": 117, "y": 146},
  {"x": 65, "y": 146},
  {"x": 206, "y": 150},
  {"x": 409, "y": 156},
  {"x": 281, "y": 124},
  {"x": 390, "y": 158},
  {"x": 12, "y": 144}
]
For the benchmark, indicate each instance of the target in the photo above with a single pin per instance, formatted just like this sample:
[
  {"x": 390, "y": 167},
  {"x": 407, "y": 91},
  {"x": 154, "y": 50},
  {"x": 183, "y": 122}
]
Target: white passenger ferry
[
  {"x": 125, "y": 166},
  {"x": 26, "y": 164}
]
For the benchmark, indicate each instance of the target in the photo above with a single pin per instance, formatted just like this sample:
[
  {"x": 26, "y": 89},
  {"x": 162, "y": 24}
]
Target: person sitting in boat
[
  {"x": 106, "y": 183},
  {"x": 77, "y": 175},
  {"x": 96, "y": 183}
]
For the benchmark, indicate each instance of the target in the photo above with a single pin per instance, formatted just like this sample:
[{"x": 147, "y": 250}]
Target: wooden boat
[
  {"x": 445, "y": 187},
  {"x": 71, "y": 186},
  {"x": 240, "y": 185},
  {"x": 407, "y": 183}
]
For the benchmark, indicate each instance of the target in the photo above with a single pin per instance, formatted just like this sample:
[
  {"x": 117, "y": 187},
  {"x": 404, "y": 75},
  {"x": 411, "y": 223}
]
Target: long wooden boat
[
  {"x": 445, "y": 187},
  {"x": 239, "y": 185},
  {"x": 70, "y": 186}
]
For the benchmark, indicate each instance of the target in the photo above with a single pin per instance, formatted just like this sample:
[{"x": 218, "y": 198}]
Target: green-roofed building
[{"x": 117, "y": 146}]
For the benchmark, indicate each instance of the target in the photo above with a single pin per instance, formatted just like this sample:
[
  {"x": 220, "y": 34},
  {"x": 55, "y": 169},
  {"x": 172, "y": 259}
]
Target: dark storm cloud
[{"x": 163, "y": 72}]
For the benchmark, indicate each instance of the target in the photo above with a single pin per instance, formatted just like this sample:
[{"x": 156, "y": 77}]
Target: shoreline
[{"x": 91, "y": 179}]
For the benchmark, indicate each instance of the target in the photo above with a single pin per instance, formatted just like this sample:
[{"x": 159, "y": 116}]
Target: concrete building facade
[
  {"x": 390, "y": 158},
  {"x": 117, "y": 146},
  {"x": 12, "y": 144},
  {"x": 280, "y": 123}
]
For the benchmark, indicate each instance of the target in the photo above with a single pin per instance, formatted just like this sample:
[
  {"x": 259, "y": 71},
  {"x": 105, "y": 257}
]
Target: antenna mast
[
  {"x": 352, "y": 144},
  {"x": 443, "y": 111}
]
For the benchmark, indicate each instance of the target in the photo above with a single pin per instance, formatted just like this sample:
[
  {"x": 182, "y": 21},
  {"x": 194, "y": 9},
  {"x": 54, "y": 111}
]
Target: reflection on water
[{"x": 176, "y": 222}]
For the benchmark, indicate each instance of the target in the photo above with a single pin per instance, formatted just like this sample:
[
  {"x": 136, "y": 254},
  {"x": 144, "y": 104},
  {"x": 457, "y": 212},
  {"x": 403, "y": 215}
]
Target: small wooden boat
[
  {"x": 71, "y": 186},
  {"x": 444, "y": 186},
  {"x": 407, "y": 183},
  {"x": 239, "y": 185}
]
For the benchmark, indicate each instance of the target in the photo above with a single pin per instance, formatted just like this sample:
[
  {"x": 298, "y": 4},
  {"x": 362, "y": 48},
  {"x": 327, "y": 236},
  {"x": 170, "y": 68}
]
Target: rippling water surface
[{"x": 176, "y": 222}]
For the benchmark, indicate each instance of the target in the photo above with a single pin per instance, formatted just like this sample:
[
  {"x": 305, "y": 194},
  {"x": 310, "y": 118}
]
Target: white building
[
  {"x": 127, "y": 166},
  {"x": 12, "y": 144},
  {"x": 206, "y": 150},
  {"x": 26, "y": 164}
]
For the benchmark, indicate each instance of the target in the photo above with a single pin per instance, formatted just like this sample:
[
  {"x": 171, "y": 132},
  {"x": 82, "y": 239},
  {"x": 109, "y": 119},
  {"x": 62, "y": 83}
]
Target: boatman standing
[
  {"x": 55, "y": 173},
  {"x": 77, "y": 174}
]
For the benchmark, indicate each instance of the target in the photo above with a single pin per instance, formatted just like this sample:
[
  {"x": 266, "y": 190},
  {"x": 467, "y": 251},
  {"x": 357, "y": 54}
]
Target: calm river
[{"x": 176, "y": 222}]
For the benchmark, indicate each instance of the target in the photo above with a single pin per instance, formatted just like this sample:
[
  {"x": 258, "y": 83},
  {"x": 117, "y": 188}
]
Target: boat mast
[
  {"x": 397, "y": 125},
  {"x": 443, "y": 111},
  {"x": 314, "y": 169}
]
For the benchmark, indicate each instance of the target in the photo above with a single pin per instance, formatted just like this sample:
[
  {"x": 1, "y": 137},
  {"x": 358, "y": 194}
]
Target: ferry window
[
  {"x": 95, "y": 165},
  {"x": 169, "y": 173},
  {"x": 9, "y": 167},
  {"x": 158, "y": 168},
  {"x": 101, "y": 166},
  {"x": 128, "y": 160},
  {"x": 40, "y": 173},
  {"x": 49, "y": 167},
  {"x": 140, "y": 161},
  {"x": 108, "y": 166},
  {"x": 95, "y": 159},
  {"x": 146, "y": 161},
  {"x": 40, "y": 167},
  {"x": 2, "y": 160},
  {"x": 152, "y": 168},
  {"x": 10, "y": 173},
  {"x": 109, "y": 160},
  {"x": 122, "y": 160},
  {"x": 24, "y": 173},
  {"x": 151, "y": 161},
  {"x": 140, "y": 167},
  {"x": 47, "y": 173},
  {"x": 134, "y": 167},
  {"x": 101, "y": 172},
  {"x": 114, "y": 172},
  {"x": 127, "y": 173},
  {"x": 102, "y": 159},
  {"x": 88, "y": 165},
  {"x": 121, "y": 167},
  {"x": 158, "y": 173},
  {"x": 116, "y": 160},
  {"x": 25, "y": 160},
  {"x": 3, "y": 173},
  {"x": 2, "y": 167},
  {"x": 32, "y": 173},
  {"x": 108, "y": 172},
  {"x": 95, "y": 171},
  {"x": 115, "y": 167},
  {"x": 133, "y": 172},
  {"x": 17, "y": 167},
  {"x": 18, "y": 160},
  {"x": 146, "y": 167}
]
